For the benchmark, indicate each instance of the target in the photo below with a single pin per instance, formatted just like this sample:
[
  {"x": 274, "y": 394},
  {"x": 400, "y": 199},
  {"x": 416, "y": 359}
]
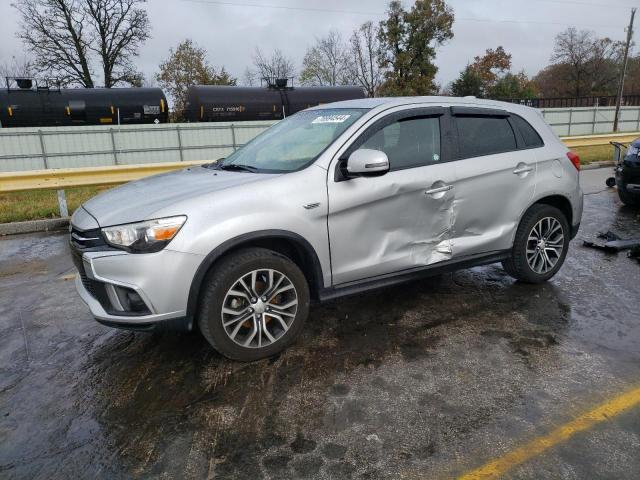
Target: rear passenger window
[
  {"x": 484, "y": 135},
  {"x": 529, "y": 134},
  {"x": 409, "y": 142}
]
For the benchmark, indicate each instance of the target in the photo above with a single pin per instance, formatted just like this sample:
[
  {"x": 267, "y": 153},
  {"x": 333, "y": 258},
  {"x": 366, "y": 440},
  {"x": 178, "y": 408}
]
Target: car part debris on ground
[{"x": 613, "y": 243}]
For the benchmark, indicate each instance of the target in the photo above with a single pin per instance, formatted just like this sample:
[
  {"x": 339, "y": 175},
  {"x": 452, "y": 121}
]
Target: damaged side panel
[
  {"x": 436, "y": 243},
  {"x": 385, "y": 224},
  {"x": 490, "y": 194}
]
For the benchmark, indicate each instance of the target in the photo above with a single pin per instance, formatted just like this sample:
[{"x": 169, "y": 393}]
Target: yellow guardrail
[
  {"x": 596, "y": 140},
  {"x": 60, "y": 178},
  {"x": 79, "y": 177}
]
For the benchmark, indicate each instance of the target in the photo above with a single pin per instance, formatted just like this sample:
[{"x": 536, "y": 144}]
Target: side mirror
[{"x": 366, "y": 162}]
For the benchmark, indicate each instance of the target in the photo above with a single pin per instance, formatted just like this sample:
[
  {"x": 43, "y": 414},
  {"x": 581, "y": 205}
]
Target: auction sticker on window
[{"x": 331, "y": 119}]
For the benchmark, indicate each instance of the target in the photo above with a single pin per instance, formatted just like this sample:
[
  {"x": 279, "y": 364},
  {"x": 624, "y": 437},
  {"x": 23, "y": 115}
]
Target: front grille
[
  {"x": 82, "y": 241},
  {"x": 87, "y": 238},
  {"x": 92, "y": 286}
]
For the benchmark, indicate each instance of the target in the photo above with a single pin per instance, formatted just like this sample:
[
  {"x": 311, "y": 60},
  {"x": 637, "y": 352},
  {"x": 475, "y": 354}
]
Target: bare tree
[
  {"x": 270, "y": 67},
  {"x": 54, "y": 30},
  {"x": 604, "y": 66},
  {"x": 121, "y": 29},
  {"x": 68, "y": 36},
  {"x": 591, "y": 62},
  {"x": 327, "y": 62},
  {"x": 249, "y": 78},
  {"x": 573, "y": 47},
  {"x": 17, "y": 67},
  {"x": 365, "y": 48}
]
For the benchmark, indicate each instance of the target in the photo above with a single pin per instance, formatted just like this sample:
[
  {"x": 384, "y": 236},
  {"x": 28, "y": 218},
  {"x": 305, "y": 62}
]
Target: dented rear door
[
  {"x": 496, "y": 177},
  {"x": 400, "y": 220}
]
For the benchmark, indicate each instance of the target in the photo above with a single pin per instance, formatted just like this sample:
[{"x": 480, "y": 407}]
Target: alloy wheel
[
  {"x": 259, "y": 308},
  {"x": 544, "y": 245}
]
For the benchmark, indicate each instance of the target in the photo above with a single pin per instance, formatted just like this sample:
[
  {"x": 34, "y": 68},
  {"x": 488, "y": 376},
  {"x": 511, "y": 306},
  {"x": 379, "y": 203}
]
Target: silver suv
[{"x": 332, "y": 201}]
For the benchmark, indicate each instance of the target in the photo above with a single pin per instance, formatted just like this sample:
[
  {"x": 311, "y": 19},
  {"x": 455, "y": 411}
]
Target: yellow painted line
[{"x": 498, "y": 467}]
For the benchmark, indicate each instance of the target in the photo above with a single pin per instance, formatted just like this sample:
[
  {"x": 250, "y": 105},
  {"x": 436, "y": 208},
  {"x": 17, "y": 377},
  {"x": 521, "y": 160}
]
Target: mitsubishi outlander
[{"x": 331, "y": 201}]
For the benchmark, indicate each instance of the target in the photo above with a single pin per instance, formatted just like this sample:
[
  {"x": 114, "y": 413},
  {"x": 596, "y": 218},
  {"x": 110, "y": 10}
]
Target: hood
[
  {"x": 140, "y": 199},
  {"x": 632, "y": 157}
]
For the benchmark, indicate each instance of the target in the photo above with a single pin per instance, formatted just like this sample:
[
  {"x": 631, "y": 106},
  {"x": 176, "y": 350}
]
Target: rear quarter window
[
  {"x": 484, "y": 135},
  {"x": 529, "y": 134}
]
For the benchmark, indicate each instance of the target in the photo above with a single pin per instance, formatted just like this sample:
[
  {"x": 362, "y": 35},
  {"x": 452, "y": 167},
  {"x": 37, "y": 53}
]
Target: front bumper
[
  {"x": 161, "y": 280},
  {"x": 628, "y": 177},
  {"x": 142, "y": 322}
]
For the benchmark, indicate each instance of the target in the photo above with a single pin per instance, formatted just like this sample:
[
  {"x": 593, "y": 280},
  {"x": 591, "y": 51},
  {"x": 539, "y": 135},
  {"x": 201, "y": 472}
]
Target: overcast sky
[{"x": 231, "y": 29}]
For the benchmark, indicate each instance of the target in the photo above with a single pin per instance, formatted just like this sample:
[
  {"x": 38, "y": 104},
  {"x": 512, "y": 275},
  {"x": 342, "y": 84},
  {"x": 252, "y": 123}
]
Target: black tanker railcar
[
  {"x": 217, "y": 103},
  {"x": 33, "y": 106}
]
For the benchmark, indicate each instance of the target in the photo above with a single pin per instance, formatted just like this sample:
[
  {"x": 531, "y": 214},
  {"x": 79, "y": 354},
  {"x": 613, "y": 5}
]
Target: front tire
[
  {"x": 254, "y": 304},
  {"x": 627, "y": 198},
  {"x": 540, "y": 245}
]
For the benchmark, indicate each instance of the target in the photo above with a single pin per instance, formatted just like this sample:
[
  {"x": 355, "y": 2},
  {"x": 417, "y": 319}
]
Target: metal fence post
[
  {"x": 233, "y": 137},
  {"x": 593, "y": 125},
  {"x": 44, "y": 152},
  {"x": 62, "y": 199},
  {"x": 113, "y": 146},
  {"x": 180, "y": 143},
  {"x": 570, "y": 118},
  {"x": 62, "y": 204}
]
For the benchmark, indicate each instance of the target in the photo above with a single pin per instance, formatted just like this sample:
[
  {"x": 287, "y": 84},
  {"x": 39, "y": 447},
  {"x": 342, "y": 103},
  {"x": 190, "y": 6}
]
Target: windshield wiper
[
  {"x": 213, "y": 165},
  {"x": 239, "y": 168}
]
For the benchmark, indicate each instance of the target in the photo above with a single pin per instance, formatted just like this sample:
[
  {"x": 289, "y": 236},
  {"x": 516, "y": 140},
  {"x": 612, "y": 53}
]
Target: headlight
[{"x": 144, "y": 237}]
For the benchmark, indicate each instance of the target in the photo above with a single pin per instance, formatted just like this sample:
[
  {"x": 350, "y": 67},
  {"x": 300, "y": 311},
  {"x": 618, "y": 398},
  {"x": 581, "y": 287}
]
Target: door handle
[
  {"x": 524, "y": 169},
  {"x": 433, "y": 191}
]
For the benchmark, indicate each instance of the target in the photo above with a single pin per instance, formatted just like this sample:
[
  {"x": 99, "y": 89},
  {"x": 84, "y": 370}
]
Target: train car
[
  {"x": 217, "y": 103},
  {"x": 31, "y": 106}
]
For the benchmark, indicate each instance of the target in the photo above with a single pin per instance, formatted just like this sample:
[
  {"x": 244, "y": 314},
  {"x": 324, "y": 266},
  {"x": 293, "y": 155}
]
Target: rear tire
[
  {"x": 540, "y": 245},
  {"x": 254, "y": 304}
]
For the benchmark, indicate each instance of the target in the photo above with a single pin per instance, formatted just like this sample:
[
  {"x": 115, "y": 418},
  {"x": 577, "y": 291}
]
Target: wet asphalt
[{"x": 425, "y": 380}]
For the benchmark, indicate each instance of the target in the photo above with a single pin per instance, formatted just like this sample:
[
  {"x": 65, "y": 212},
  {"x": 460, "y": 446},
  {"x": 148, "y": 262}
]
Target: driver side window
[{"x": 408, "y": 142}]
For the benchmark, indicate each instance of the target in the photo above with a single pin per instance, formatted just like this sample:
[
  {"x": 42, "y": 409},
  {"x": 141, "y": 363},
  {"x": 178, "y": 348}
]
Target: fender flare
[
  {"x": 223, "y": 248},
  {"x": 540, "y": 199}
]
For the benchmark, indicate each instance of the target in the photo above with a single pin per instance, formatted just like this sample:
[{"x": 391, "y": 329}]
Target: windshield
[{"x": 293, "y": 143}]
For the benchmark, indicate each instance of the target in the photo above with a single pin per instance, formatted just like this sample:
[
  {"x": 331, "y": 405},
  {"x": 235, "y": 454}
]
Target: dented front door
[
  {"x": 402, "y": 219},
  {"x": 386, "y": 224}
]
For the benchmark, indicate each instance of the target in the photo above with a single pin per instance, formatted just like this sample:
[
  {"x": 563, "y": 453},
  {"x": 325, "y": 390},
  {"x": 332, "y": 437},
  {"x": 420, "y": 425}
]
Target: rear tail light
[{"x": 575, "y": 159}]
